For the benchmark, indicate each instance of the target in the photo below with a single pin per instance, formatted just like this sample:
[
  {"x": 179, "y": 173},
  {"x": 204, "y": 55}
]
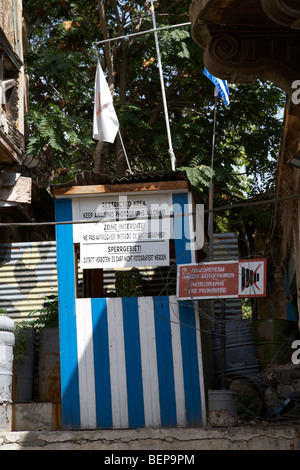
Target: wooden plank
[
  {"x": 86, "y": 372},
  {"x": 136, "y": 413},
  {"x": 118, "y": 188},
  {"x": 177, "y": 360},
  {"x": 117, "y": 363},
  {"x": 149, "y": 362},
  {"x": 165, "y": 364},
  {"x": 67, "y": 317}
]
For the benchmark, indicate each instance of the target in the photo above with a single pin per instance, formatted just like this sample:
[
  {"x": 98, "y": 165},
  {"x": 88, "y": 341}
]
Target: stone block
[{"x": 36, "y": 417}]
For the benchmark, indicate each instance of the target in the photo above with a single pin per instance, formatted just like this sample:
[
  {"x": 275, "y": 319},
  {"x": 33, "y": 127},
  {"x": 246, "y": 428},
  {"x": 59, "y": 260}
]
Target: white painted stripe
[
  {"x": 200, "y": 364},
  {"x": 76, "y": 216},
  {"x": 177, "y": 361},
  {"x": 149, "y": 362},
  {"x": 86, "y": 364},
  {"x": 118, "y": 381}
]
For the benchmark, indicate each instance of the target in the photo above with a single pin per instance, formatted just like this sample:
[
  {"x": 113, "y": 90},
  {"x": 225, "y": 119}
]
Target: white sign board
[{"x": 132, "y": 231}]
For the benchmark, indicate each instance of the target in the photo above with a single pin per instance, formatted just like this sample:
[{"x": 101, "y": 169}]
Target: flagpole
[
  {"x": 214, "y": 134},
  {"x": 171, "y": 152},
  {"x": 211, "y": 187},
  {"x": 140, "y": 33},
  {"x": 124, "y": 151},
  {"x": 221, "y": 90}
]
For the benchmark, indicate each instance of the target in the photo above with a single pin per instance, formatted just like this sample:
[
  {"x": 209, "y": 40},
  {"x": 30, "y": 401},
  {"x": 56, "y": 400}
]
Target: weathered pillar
[{"x": 7, "y": 342}]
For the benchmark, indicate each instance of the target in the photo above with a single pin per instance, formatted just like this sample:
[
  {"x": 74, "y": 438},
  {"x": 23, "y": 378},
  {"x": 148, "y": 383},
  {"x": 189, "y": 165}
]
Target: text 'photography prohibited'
[{"x": 225, "y": 279}]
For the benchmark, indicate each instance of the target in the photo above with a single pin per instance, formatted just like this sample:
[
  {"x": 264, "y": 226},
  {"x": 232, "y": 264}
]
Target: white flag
[{"x": 105, "y": 120}]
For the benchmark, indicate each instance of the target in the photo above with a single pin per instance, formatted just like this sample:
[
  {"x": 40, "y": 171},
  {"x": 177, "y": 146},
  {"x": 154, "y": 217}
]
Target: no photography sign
[{"x": 222, "y": 279}]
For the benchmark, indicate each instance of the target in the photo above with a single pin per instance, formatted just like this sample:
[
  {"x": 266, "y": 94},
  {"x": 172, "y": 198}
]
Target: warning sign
[
  {"x": 130, "y": 232},
  {"x": 207, "y": 280},
  {"x": 225, "y": 279}
]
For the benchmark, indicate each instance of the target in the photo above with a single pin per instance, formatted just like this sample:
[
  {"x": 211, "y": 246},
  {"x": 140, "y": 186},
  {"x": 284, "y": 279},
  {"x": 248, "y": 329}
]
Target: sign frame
[
  {"x": 111, "y": 210},
  {"x": 262, "y": 262},
  {"x": 219, "y": 272}
]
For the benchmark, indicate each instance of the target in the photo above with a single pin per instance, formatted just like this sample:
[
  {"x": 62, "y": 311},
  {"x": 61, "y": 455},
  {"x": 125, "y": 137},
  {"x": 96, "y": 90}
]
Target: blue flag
[{"x": 221, "y": 86}]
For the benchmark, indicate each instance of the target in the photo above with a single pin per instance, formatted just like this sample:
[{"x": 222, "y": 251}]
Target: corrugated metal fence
[
  {"x": 226, "y": 249},
  {"x": 27, "y": 275}
]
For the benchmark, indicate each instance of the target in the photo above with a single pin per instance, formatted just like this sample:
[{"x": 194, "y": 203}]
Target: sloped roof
[{"x": 87, "y": 178}]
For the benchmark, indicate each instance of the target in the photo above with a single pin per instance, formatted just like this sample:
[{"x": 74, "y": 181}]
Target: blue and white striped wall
[
  {"x": 130, "y": 362},
  {"x": 138, "y": 364}
]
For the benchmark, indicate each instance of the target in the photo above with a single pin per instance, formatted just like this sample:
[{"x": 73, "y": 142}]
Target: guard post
[{"x": 127, "y": 362}]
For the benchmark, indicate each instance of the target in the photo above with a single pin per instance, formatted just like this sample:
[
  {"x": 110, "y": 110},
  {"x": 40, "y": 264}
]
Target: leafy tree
[{"x": 61, "y": 63}]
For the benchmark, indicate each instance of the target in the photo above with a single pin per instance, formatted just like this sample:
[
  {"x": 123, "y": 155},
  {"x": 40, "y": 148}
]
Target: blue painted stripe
[
  {"x": 101, "y": 363},
  {"x": 135, "y": 400},
  {"x": 181, "y": 229},
  {"x": 165, "y": 364},
  {"x": 190, "y": 363},
  {"x": 67, "y": 316},
  {"x": 187, "y": 318}
]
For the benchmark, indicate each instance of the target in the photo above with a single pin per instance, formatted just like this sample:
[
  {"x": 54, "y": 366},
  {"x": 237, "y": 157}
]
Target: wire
[{"x": 171, "y": 216}]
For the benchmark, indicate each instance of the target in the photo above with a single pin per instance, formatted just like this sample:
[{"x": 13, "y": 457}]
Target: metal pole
[
  {"x": 171, "y": 152},
  {"x": 214, "y": 134},
  {"x": 211, "y": 221},
  {"x": 141, "y": 33},
  {"x": 223, "y": 346},
  {"x": 211, "y": 189},
  {"x": 211, "y": 206},
  {"x": 124, "y": 150}
]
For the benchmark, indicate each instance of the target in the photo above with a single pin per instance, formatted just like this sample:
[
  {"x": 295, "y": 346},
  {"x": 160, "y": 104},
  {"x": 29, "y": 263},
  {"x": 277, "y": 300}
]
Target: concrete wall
[
  {"x": 42, "y": 422},
  {"x": 268, "y": 437}
]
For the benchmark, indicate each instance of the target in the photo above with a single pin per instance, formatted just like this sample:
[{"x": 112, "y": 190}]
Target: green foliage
[
  {"x": 128, "y": 283},
  {"x": 22, "y": 331},
  {"x": 199, "y": 175},
  {"x": 61, "y": 63},
  {"x": 45, "y": 317},
  {"x": 247, "y": 404},
  {"x": 174, "y": 44},
  {"x": 246, "y": 308}
]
